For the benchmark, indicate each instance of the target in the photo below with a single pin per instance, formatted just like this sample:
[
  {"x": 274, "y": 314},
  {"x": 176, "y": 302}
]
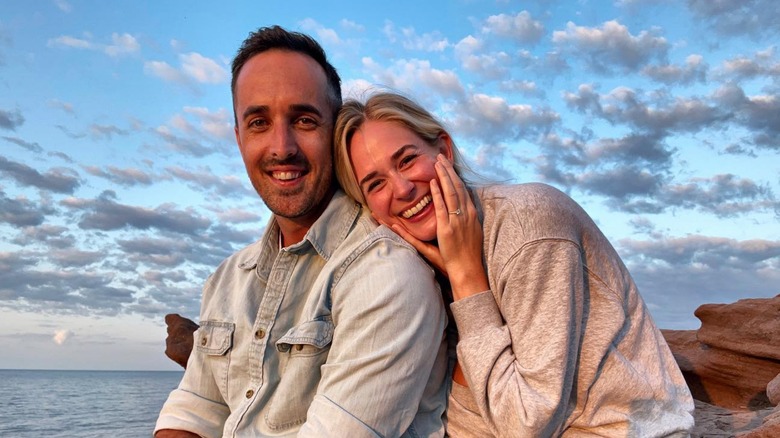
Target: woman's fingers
[
  {"x": 449, "y": 193},
  {"x": 440, "y": 206},
  {"x": 455, "y": 193}
]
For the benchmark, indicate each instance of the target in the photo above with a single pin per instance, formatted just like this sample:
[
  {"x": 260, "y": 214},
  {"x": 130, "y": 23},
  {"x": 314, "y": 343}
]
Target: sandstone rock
[
  {"x": 718, "y": 422},
  {"x": 749, "y": 326},
  {"x": 773, "y": 391},
  {"x": 721, "y": 377},
  {"x": 770, "y": 427}
]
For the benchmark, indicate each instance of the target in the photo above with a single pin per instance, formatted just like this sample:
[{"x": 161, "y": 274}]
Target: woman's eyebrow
[{"x": 396, "y": 155}]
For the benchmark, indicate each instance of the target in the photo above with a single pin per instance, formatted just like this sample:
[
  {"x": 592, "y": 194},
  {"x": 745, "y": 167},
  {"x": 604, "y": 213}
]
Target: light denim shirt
[{"x": 341, "y": 334}]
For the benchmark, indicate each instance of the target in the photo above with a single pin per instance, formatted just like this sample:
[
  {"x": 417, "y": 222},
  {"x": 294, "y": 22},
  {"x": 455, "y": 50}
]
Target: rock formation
[{"x": 732, "y": 366}]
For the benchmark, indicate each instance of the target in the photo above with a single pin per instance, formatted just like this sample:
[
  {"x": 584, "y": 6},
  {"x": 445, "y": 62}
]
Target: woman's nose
[{"x": 402, "y": 186}]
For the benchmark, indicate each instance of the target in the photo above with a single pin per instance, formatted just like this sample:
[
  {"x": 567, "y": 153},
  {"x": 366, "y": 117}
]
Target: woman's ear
[{"x": 445, "y": 145}]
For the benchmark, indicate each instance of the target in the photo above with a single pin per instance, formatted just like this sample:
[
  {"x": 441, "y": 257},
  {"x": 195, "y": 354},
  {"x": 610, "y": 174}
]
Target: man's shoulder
[
  {"x": 379, "y": 260},
  {"x": 367, "y": 237},
  {"x": 246, "y": 257}
]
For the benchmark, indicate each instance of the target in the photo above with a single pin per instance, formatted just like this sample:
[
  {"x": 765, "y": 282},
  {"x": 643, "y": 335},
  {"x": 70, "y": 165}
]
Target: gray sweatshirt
[{"x": 562, "y": 344}]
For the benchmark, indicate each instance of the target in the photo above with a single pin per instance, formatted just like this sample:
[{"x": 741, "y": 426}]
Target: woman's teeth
[{"x": 416, "y": 209}]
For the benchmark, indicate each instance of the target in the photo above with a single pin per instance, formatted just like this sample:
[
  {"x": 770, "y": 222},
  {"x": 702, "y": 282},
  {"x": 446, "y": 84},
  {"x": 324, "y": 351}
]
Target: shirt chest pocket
[
  {"x": 214, "y": 339},
  {"x": 302, "y": 351}
]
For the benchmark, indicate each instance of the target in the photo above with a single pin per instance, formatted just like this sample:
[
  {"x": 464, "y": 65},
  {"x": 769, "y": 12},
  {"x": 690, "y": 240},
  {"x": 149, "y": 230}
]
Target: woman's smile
[{"x": 425, "y": 201}]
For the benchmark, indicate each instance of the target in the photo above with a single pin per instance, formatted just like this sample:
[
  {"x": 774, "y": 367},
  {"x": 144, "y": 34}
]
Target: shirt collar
[
  {"x": 325, "y": 235},
  {"x": 332, "y": 227}
]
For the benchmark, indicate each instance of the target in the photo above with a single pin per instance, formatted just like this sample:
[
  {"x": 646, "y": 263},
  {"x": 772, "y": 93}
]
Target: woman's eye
[
  {"x": 407, "y": 159},
  {"x": 373, "y": 185}
]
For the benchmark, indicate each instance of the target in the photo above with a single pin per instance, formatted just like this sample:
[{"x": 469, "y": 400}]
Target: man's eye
[
  {"x": 307, "y": 121},
  {"x": 257, "y": 123}
]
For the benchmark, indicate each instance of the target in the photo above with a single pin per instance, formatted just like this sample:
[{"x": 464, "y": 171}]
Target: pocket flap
[
  {"x": 214, "y": 337},
  {"x": 317, "y": 333}
]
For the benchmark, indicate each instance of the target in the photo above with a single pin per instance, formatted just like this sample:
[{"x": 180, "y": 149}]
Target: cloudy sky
[{"x": 121, "y": 187}]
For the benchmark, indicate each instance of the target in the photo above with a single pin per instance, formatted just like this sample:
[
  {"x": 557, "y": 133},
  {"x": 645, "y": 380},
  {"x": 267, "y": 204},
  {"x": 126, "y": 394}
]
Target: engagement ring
[{"x": 456, "y": 212}]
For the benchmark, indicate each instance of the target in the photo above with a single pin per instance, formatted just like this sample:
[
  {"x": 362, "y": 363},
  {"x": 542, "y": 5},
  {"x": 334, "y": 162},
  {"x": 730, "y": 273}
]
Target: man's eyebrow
[
  {"x": 295, "y": 108},
  {"x": 254, "y": 109},
  {"x": 396, "y": 155},
  {"x": 305, "y": 108}
]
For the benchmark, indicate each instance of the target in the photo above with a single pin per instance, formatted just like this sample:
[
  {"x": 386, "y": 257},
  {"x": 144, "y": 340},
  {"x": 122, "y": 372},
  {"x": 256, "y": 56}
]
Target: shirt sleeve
[
  {"x": 389, "y": 326},
  {"x": 519, "y": 355},
  {"x": 196, "y": 404}
]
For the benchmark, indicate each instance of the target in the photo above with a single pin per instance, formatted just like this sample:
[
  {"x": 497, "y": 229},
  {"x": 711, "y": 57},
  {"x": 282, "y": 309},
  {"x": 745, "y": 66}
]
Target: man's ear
[
  {"x": 445, "y": 145},
  {"x": 238, "y": 137}
]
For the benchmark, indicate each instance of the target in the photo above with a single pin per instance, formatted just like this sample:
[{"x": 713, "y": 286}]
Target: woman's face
[{"x": 394, "y": 168}]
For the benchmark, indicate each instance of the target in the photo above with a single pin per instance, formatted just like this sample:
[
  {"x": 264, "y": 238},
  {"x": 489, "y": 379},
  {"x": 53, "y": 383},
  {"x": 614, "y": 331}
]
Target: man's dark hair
[{"x": 276, "y": 37}]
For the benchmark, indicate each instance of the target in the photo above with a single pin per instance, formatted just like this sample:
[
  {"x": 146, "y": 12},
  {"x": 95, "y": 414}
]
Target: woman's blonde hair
[{"x": 388, "y": 107}]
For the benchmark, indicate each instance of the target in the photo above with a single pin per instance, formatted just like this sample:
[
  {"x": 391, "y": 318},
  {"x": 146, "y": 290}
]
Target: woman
[{"x": 554, "y": 338}]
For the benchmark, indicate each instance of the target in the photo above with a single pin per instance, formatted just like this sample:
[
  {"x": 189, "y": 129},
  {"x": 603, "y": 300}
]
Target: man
[{"x": 328, "y": 325}]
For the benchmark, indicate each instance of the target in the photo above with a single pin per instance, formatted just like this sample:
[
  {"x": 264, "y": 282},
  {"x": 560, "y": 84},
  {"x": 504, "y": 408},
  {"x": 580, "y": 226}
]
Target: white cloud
[
  {"x": 69, "y": 41},
  {"x": 410, "y": 40},
  {"x": 351, "y": 25},
  {"x": 164, "y": 71},
  {"x": 63, "y": 5},
  {"x": 218, "y": 124},
  {"x": 65, "y": 106},
  {"x": 61, "y": 336},
  {"x": 355, "y": 88},
  {"x": 194, "y": 66},
  {"x": 202, "y": 69},
  {"x": 123, "y": 44},
  {"x": 611, "y": 43},
  {"x": 325, "y": 36},
  {"x": 415, "y": 74},
  {"x": 521, "y": 27}
]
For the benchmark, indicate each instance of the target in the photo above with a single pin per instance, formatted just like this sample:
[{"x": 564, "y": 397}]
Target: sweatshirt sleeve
[{"x": 519, "y": 348}]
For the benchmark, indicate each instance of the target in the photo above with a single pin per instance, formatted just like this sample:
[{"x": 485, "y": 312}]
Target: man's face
[{"x": 284, "y": 132}]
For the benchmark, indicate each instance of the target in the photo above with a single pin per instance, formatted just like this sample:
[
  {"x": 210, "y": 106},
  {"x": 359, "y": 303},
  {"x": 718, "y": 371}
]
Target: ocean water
[{"x": 82, "y": 404}]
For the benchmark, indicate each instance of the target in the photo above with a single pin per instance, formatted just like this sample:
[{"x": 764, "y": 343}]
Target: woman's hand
[{"x": 459, "y": 234}]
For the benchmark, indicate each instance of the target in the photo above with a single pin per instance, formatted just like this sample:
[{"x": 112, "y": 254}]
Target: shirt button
[
  {"x": 250, "y": 393},
  {"x": 299, "y": 347},
  {"x": 204, "y": 340},
  {"x": 260, "y": 334}
]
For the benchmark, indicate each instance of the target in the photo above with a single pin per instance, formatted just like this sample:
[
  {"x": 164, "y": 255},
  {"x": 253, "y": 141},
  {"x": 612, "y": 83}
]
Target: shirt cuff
[
  {"x": 476, "y": 313},
  {"x": 186, "y": 411}
]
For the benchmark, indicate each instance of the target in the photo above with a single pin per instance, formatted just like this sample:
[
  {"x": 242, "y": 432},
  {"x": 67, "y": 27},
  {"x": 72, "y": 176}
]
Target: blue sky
[{"x": 121, "y": 187}]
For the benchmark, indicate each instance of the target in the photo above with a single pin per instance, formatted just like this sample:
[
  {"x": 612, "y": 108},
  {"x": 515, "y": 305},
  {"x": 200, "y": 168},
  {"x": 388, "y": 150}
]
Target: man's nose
[{"x": 284, "y": 144}]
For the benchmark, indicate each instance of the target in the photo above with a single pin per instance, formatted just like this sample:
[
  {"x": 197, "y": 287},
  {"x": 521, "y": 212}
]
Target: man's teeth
[
  {"x": 416, "y": 209},
  {"x": 286, "y": 176}
]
